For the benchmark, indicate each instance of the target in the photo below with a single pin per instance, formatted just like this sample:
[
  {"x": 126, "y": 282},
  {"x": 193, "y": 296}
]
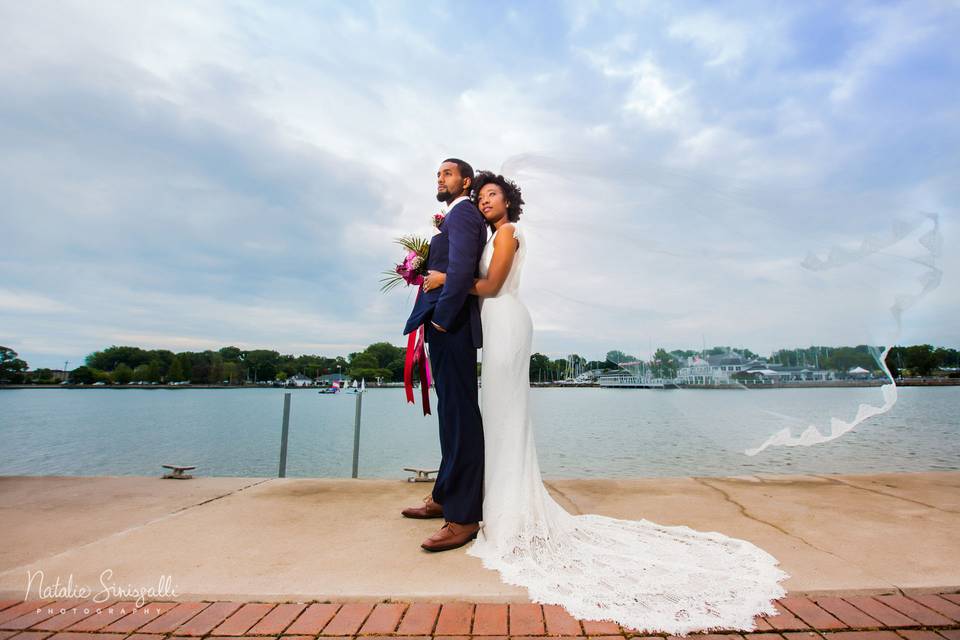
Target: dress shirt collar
[{"x": 446, "y": 208}]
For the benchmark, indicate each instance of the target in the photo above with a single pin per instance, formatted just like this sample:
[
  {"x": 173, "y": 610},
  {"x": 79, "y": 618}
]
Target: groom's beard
[{"x": 444, "y": 196}]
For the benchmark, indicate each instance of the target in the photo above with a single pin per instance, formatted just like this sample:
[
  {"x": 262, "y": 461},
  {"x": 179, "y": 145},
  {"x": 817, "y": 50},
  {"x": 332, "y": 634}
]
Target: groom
[{"x": 452, "y": 330}]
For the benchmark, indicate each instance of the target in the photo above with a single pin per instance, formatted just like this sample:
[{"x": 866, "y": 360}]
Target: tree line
[{"x": 236, "y": 366}]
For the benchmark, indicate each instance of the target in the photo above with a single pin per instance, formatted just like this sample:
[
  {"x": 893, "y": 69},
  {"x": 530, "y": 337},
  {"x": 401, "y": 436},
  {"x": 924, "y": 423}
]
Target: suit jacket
[{"x": 455, "y": 251}]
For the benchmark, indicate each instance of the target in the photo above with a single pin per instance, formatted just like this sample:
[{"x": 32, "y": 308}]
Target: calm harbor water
[{"x": 580, "y": 432}]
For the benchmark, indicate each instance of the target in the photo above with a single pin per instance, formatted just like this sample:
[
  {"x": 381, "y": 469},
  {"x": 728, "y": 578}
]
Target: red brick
[
  {"x": 11, "y": 613},
  {"x": 920, "y": 634},
  {"x": 291, "y": 638},
  {"x": 172, "y": 619},
  {"x": 952, "y": 597},
  {"x": 74, "y": 635},
  {"x": 785, "y": 620},
  {"x": 490, "y": 620},
  {"x": 5, "y": 604},
  {"x": 808, "y": 611},
  {"x": 763, "y": 636},
  {"x": 6, "y": 634},
  {"x": 560, "y": 622},
  {"x": 861, "y": 635},
  {"x": 71, "y": 616},
  {"x": 138, "y": 617},
  {"x": 458, "y": 638},
  {"x": 313, "y": 619},
  {"x": 39, "y": 614},
  {"x": 348, "y": 619},
  {"x": 419, "y": 619},
  {"x": 620, "y": 637},
  {"x": 142, "y": 636},
  {"x": 950, "y": 634},
  {"x": 761, "y": 623},
  {"x": 847, "y": 613},
  {"x": 711, "y": 636},
  {"x": 940, "y": 605},
  {"x": 38, "y": 635},
  {"x": 106, "y": 615},
  {"x": 242, "y": 619},
  {"x": 384, "y": 618},
  {"x": 454, "y": 619},
  {"x": 882, "y": 613},
  {"x": 248, "y": 638},
  {"x": 802, "y": 635},
  {"x": 526, "y": 620},
  {"x": 278, "y": 619},
  {"x": 204, "y": 622},
  {"x": 600, "y": 627},
  {"x": 915, "y": 610}
]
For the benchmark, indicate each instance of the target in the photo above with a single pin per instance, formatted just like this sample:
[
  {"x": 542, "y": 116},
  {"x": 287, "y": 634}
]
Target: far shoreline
[{"x": 826, "y": 384}]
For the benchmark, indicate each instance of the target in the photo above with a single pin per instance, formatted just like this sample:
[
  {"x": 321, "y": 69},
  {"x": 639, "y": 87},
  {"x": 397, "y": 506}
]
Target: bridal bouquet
[
  {"x": 414, "y": 265},
  {"x": 412, "y": 270}
]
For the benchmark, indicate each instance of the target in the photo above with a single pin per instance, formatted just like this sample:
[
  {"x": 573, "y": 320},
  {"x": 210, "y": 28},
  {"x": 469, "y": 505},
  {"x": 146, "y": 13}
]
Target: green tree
[
  {"x": 262, "y": 363},
  {"x": 920, "y": 359},
  {"x": 231, "y": 372},
  {"x": 175, "y": 372},
  {"x": 83, "y": 375},
  {"x": 663, "y": 365},
  {"x": 122, "y": 374},
  {"x": 539, "y": 367},
  {"x": 12, "y": 368},
  {"x": 109, "y": 358},
  {"x": 231, "y": 354},
  {"x": 617, "y": 356}
]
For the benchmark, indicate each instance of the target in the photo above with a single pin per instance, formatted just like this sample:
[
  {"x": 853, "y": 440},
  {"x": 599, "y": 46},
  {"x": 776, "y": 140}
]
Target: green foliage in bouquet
[{"x": 413, "y": 267}]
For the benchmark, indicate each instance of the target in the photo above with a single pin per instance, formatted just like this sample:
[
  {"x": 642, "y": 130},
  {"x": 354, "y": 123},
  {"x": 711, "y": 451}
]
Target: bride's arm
[{"x": 504, "y": 248}]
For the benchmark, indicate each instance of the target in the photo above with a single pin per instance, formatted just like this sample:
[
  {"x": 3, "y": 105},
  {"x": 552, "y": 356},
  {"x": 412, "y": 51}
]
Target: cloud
[{"x": 190, "y": 176}]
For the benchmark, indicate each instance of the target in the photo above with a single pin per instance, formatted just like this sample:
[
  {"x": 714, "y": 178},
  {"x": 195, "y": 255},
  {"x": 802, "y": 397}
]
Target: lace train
[{"x": 640, "y": 574}]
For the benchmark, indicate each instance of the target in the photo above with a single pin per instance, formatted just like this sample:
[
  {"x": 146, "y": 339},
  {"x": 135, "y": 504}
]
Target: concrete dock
[{"x": 276, "y": 540}]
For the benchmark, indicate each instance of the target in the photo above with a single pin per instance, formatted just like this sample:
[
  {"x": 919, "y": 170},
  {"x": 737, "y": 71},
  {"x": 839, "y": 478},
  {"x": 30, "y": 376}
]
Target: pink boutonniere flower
[{"x": 438, "y": 219}]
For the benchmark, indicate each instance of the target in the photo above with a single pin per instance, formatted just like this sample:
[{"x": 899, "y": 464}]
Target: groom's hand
[{"x": 438, "y": 327}]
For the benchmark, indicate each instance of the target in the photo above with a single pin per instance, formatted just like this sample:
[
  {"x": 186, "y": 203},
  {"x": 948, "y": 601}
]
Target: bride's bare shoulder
[{"x": 507, "y": 234}]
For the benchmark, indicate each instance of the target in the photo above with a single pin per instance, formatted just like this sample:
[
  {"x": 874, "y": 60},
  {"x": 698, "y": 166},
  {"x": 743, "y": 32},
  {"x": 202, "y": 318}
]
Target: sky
[{"x": 188, "y": 176}]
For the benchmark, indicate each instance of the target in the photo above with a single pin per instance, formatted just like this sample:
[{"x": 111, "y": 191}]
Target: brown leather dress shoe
[
  {"x": 451, "y": 536},
  {"x": 430, "y": 509}
]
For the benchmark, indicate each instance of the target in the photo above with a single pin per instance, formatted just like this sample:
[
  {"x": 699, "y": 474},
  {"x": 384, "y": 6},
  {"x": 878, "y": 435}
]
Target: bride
[{"x": 637, "y": 573}]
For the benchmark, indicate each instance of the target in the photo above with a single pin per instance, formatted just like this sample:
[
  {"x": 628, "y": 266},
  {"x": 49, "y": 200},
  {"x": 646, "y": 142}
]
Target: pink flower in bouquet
[
  {"x": 413, "y": 267},
  {"x": 410, "y": 268}
]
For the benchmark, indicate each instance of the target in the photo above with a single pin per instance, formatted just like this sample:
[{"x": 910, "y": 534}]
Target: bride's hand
[{"x": 433, "y": 280}]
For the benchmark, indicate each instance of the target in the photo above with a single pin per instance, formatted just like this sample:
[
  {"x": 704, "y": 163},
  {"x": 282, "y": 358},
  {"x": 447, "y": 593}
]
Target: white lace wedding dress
[{"x": 635, "y": 572}]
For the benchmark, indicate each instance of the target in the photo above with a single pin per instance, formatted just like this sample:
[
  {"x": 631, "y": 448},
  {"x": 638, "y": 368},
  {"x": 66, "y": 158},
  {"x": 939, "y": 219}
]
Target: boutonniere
[{"x": 438, "y": 220}]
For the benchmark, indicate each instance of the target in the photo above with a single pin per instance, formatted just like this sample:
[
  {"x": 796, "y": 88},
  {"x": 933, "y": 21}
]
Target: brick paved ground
[{"x": 887, "y": 617}]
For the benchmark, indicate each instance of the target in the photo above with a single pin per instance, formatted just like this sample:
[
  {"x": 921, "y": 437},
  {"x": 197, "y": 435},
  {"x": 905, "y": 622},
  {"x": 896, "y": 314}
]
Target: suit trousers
[{"x": 459, "y": 485}]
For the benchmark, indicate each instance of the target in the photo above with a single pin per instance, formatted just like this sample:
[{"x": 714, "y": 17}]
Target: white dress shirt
[{"x": 449, "y": 207}]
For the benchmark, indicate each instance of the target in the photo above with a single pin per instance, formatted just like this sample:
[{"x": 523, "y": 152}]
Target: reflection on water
[{"x": 580, "y": 432}]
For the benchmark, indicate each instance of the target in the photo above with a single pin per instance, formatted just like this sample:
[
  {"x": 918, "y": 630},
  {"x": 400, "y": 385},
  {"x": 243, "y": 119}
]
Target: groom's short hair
[{"x": 466, "y": 171}]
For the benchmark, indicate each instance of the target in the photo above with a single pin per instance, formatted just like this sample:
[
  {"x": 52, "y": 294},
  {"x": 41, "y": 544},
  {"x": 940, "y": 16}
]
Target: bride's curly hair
[{"x": 511, "y": 192}]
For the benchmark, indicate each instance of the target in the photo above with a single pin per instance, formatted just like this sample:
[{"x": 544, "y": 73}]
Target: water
[{"x": 580, "y": 432}]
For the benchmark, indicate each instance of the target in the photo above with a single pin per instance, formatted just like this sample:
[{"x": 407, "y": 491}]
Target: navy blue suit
[{"x": 453, "y": 360}]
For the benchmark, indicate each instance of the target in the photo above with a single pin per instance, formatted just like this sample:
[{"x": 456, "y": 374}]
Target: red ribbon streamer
[{"x": 416, "y": 354}]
